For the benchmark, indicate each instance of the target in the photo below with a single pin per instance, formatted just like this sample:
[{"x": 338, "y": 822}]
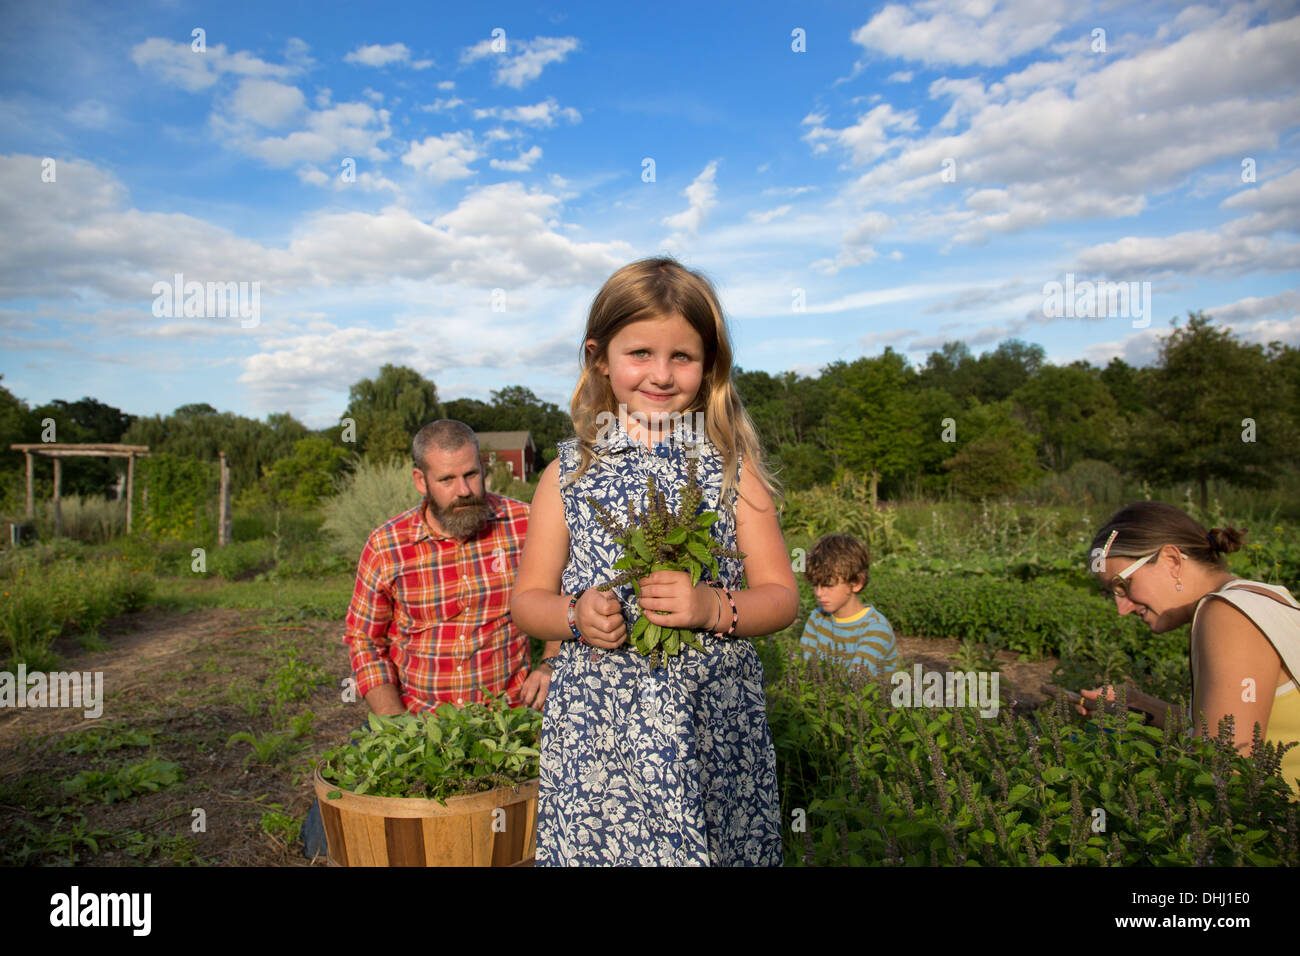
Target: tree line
[{"x": 1211, "y": 407}]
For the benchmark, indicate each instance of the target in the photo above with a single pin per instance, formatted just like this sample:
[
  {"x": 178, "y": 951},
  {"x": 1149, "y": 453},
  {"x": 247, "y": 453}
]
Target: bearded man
[{"x": 429, "y": 621}]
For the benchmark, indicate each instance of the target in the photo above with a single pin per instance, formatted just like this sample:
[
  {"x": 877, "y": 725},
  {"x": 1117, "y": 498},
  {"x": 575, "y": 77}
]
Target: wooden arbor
[{"x": 59, "y": 451}]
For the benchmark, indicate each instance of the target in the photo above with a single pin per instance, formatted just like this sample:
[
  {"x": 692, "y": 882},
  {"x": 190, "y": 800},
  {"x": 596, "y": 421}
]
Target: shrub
[
  {"x": 844, "y": 507},
  {"x": 367, "y": 498},
  {"x": 42, "y": 601}
]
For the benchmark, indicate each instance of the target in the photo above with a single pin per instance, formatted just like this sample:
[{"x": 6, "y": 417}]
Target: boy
[{"x": 842, "y": 627}]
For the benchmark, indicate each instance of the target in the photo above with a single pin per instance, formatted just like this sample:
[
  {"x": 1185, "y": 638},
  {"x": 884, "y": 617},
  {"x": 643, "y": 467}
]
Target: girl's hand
[
  {"x": 599, "y": 617},
  {"x": 693, "y": 608}
]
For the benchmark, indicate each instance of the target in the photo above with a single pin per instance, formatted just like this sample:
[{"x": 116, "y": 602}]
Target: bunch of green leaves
[
  {"x": 449, "y": 752},
  {"x": 880, "y": 784},
  {"x": 660, "y": 539},
  {"x": 124, "y": 783}
]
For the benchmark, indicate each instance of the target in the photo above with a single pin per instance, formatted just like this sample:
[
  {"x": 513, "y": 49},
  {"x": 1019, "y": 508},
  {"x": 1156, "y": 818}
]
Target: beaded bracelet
[
  {"x": 573, "y": 603},
  {"x": 735, "y": 617}
]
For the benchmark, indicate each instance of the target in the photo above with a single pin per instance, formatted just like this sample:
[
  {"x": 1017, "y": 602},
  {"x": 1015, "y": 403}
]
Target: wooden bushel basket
[{"x": 363, "y": 830}]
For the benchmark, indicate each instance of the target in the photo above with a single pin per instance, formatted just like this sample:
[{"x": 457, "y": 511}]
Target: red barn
[{"x": 516, "y": 449}]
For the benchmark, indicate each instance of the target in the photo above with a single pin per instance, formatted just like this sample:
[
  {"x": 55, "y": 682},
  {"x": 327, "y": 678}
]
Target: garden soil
[{"x": 192, "y": 679}]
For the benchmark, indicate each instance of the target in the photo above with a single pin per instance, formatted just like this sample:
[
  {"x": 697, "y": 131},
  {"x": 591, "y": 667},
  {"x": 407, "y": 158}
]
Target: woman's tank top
[{"x": 1277, "y": 614}]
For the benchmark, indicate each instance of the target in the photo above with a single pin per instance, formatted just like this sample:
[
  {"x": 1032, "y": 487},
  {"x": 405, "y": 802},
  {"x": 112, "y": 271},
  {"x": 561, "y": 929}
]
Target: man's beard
[{"x": 463, "y": 518}]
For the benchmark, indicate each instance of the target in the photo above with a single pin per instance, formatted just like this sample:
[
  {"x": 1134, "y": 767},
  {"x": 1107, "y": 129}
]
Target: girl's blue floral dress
[{"x": 672, "y": 766}]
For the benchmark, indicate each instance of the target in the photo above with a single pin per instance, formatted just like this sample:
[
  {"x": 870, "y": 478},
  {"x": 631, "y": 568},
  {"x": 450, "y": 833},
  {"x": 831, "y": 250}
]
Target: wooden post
[
  {"x": 31, "y": 501},
  {"x": 223, "y": 507},
  {"x": 58, "y": 484},
  {"x": 130, "y": 489}
]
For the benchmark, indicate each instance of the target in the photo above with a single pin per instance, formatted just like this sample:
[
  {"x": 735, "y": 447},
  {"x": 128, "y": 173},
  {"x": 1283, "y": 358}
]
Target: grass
[{"x": 325, "y": 597}]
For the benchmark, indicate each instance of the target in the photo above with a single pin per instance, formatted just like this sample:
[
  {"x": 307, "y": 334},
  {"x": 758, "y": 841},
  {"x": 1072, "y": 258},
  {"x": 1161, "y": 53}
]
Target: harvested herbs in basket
[
  {"x": 449, "y": 752},
  {"x": 658, "y": 539}
]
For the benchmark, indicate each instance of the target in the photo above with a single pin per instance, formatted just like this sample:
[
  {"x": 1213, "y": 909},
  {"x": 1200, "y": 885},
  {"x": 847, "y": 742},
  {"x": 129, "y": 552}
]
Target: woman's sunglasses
[{"x": 1119, "y": 583}]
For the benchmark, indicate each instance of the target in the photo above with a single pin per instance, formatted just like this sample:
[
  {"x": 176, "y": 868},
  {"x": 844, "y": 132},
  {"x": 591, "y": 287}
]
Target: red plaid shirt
[{"x": 432, "y": 614}]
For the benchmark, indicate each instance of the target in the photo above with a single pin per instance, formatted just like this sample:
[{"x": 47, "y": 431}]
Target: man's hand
[{"x": 536, "y": 684}]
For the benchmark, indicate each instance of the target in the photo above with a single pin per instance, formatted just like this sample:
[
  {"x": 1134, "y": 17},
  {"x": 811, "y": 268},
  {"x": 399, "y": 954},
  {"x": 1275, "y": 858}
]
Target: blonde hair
[{"x": 649, "y": 289}]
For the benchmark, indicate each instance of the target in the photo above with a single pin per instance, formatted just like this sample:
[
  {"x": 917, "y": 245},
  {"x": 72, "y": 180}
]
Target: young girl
[{"x": 671, "y": 765}]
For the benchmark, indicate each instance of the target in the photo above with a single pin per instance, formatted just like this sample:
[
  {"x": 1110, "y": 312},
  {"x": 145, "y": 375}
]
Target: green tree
[
  {"x": 995, "y": 454},
  {"x": 198, "y": 433},
  {"x": 306, "y": 477},
  {"x": 1073, "y": 414},
  {"x": 872, "y": 426},
  {"x": 87, "y": 421},
  {"x": 1126, "y": 386},
  {"x": 1217, "y": 411},
  {"x": 398, "y": 401}
]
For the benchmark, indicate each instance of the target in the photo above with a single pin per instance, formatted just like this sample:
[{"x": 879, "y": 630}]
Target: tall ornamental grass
[{"x": 367, "y": 498}]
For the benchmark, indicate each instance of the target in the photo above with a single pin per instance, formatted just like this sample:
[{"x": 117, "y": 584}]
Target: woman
[{"x": 1162, "y": 565}]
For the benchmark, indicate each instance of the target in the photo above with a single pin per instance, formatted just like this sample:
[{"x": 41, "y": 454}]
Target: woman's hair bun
[{"x": 1225, "y": 540}]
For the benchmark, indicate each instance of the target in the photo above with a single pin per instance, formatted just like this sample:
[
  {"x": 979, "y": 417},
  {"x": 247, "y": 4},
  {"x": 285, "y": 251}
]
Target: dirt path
[
  {"x": 1020, "y": 681},
  {"x": 186, "y": 681}
]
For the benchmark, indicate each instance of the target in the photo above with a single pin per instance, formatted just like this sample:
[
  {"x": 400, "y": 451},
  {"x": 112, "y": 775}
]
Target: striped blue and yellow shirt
[{"x": 865, "y": 639}]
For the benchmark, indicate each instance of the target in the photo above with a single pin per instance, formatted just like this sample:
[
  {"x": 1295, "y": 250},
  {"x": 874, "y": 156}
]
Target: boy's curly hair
[{"x": 838, "y": 557}]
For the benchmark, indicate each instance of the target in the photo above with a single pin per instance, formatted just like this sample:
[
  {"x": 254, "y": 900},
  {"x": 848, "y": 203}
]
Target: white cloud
[
  {"x": 857, "y": 246},
  {"x": 345, "y": 129},
  {"x": 767, "y": 216},
  {"x": 902, "y": 76},
  {"x": 1287, "y": 301},
  {"x": 985, "y": 33},
  {"x": 441, "y": 105},
  {"x": 522, "y": 164},
  {"x": 522, "y": 61},
  {"x": 445, "y": 157},
  {"x": 178, "y": 64},
  {"x": 378, "y": 56},
  {"x": 543, "y": 114},
  {"x": 312, "y": 176},
  {"x": 82, "y": 240},
  {"x": 701, "y": 195},
  {"x": 876, "y": 339},
  {"x": 1033, "y": 149},
  {"x": 867, "y": 139},
  {"x": 267, "y": 103},
  {"x": 92, "y": 114},
  {"x": 1200, "y": 252}
]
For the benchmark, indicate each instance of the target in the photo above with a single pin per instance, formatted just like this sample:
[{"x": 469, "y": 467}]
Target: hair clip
[{"x": 1106, "y": 550}]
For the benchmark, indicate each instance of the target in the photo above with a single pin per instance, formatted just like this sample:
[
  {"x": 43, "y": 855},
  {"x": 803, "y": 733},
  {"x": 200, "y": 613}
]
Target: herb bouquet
[{"x": 657, "y": 539}]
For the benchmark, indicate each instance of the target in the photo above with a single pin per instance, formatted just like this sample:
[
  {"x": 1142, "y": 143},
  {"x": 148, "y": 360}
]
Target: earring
[{"x": 1178, "y": 585}]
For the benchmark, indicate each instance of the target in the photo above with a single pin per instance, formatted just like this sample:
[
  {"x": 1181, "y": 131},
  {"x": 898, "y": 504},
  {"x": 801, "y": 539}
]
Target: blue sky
[{"x": 914, "y": 174}]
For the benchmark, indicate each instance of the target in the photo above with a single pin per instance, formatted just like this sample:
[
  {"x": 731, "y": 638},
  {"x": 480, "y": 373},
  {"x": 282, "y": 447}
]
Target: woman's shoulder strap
[{"x": 1280, "y": 595}]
